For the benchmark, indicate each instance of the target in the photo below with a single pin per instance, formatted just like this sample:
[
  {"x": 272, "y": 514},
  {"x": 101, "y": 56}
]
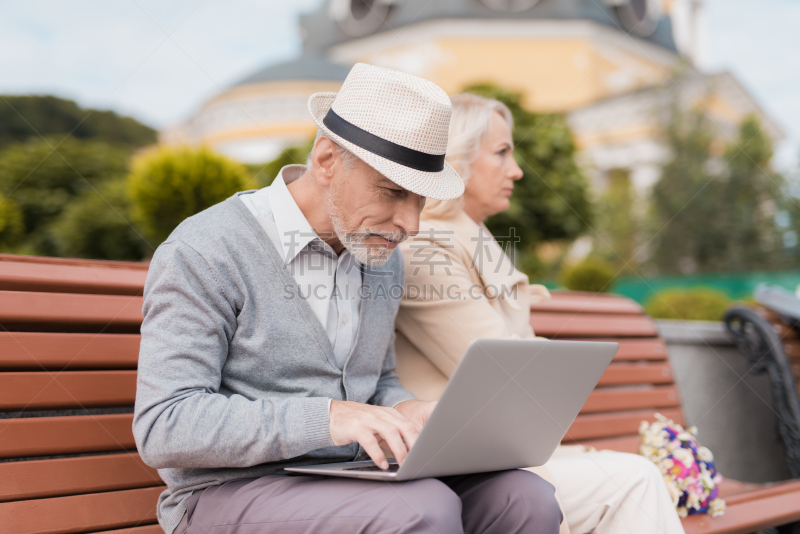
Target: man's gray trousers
[{"x": 504, "y": 502}]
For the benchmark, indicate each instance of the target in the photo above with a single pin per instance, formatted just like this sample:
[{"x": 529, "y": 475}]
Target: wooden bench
[
  {"x": 638, "y": 383},
  {"x": 789, "y": 336},
  {"x": 68, "y": 353}
]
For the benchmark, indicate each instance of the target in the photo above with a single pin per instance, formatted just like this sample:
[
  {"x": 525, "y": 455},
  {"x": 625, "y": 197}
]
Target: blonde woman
[{"x": 461, "y": 286}]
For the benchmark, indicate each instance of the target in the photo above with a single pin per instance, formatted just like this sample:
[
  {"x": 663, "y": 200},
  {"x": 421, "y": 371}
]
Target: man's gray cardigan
[{"x": 235, "y": 370}]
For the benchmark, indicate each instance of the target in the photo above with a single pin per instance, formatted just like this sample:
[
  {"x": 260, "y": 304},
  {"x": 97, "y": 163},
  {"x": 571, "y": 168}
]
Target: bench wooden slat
[
  {"x": 791, "y": 347},
  {"x": 636, "y": 373},
  {"x": 36, "y": 350},
  {"x": 80, "y": 513},
  {"x": 46, "y": 436},
  {"x": 784, "y": 331},
  {"x": 749, "y": 514},
  {"x": 149, "y": 529},
  {"x": 611, "y": 399},
  {"x": 564, "y": 302},
  {"x": 79, "y": 262},
  {"x": 591, "y": 325},
  {"x": 36, "y": 479},
  {"x": 750, "y": 491},
  {"x": 593, "y": 426},
  {"x": 17, "y": 274},
  {"x": 67, "y": 389},
  {"x": 37, "y": 390},
  {"x": 779, "y": 326},
  {"x": 66, "y": 311}
]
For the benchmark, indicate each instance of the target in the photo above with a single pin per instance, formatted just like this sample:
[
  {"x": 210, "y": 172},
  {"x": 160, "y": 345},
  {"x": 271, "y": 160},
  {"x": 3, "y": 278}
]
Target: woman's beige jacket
[{"x": 459, "y": 286}]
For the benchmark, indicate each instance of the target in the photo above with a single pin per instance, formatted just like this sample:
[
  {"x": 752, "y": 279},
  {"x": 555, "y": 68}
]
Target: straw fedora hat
[{"x": 394, "y": 122}]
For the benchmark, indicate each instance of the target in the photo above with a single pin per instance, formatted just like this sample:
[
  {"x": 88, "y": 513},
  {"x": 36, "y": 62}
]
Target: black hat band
[{"x": 408, "y": 157}]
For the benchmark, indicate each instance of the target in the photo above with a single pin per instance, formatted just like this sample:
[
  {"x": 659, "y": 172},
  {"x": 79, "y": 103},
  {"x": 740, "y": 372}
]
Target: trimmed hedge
[{"x": 700, "y": 304}]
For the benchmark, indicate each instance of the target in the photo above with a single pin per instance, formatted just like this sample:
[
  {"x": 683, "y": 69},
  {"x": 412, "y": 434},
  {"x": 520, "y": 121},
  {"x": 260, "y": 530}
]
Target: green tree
[
  {"x": 617, "y": 221},
  {"x": 682, "y": 206},
  {"x": 551, "y": 201},
  {"x": 167, "y": 185},
  {"x": 787, "y": 218},
  {"x": 11, "y": 226},
  {"x": 98, "y": 225},
  {"x": 25, "y": 117},
  {"x": 42, "y": 181},
  {"x": 716, "y": 214},
  {"x": 750, "y": 193}
]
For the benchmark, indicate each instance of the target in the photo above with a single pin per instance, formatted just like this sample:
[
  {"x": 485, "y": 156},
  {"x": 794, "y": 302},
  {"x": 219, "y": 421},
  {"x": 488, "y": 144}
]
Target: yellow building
[{"x": 610, "y": 65}]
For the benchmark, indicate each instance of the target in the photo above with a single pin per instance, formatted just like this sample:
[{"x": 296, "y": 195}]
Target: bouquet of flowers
[{"x": 686, "y": 466}]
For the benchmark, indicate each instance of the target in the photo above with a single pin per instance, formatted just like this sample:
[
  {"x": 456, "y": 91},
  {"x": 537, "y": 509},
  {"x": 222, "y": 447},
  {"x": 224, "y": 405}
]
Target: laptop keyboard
[{"x": 392, "y": 468}]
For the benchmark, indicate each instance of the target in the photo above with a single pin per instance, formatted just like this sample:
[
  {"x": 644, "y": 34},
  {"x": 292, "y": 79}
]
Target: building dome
[
  {"x": 307, "y": 67},
  {"x": 604, "y": 64},
  {"x": 258, "y": 116}
]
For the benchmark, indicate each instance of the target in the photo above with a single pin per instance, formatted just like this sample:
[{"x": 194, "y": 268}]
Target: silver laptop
[{"x": 508, "y": 405}]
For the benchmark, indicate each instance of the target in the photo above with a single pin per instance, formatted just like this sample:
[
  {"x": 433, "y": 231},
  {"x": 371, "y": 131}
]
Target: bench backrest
[
  {"x": 638, "y": 383},
  {"x": 68, "y": 352}
]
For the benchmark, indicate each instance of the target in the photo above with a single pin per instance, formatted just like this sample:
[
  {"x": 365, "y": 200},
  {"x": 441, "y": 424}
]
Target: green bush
[
  {"x": 265, "y": 173},
  {"x": 591, "y": 274},
  {"x": 97, "y": 225},
  {"x": 169, "y": 184},
  {"x": 701, "y": 304}
]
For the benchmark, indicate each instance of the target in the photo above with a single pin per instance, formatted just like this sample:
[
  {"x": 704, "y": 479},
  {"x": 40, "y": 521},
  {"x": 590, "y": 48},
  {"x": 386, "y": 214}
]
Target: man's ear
[{"x": 323, "y": 159}]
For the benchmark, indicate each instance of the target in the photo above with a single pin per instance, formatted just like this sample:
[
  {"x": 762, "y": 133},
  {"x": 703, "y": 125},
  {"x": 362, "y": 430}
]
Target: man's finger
[
  {"x": 370, "y": 445},
  {"x": 402, "y": 419},
  {"x": 410, "y": 432},
  {"x": 391, "y": 435}
]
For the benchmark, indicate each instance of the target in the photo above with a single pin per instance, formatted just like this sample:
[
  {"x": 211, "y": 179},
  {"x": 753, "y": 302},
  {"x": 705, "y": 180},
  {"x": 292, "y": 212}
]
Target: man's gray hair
[{"x": 348, "y": 158}]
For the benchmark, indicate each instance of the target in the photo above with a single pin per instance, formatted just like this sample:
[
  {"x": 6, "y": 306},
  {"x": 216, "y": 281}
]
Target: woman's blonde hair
[{"x": 469, "y": 124}]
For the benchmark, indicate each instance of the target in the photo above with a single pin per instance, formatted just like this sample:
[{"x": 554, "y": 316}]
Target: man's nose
[{"x": 406, "y": 215}]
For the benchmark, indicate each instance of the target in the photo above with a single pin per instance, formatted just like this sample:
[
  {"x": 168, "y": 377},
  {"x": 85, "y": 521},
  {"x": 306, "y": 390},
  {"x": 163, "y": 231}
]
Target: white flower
[
  {"x": 655, "y": 439},
  {"x": 648, "y": 451},
  {"x": 682, "y": 511},
  {"x": 684, "y": 456},
  {"x": 704, "y": 455},
  {"x": 716, "y": 507}
]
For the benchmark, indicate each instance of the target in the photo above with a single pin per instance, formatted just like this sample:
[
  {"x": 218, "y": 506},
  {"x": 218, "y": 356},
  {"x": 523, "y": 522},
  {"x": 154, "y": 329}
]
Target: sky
[{"x": 158, "y": 61}]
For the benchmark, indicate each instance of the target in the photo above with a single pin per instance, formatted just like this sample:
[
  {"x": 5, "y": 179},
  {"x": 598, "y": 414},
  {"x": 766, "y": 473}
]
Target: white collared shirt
[{"x": 330, "y": 283}]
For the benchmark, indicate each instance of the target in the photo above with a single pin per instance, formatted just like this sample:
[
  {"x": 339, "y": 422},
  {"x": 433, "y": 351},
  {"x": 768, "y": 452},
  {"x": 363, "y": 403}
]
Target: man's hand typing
[
  {"x": 416, "y": 411},
  {"x": 374, "y": 426}
]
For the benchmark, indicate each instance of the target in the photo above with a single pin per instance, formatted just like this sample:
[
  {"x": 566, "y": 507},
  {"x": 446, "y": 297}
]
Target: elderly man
[{"x": 268, "y": 332}]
